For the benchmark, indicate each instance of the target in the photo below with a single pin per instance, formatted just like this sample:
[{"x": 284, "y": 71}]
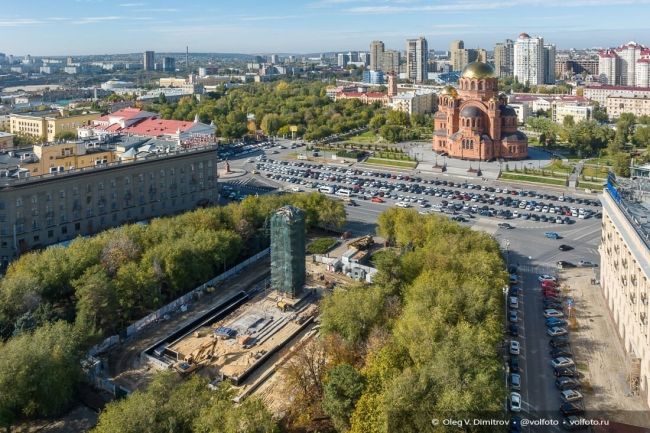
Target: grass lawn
[
  {"x": 598, "y": 171},
  {"x": 321, "y": 245},
  {"x": 391, "y": 162},
  {"x": 594, "y": 186},
  {"x": 368, "y": 137},
  {"x": 532, "y": 178},
  {"x": 559, "y": 166}
]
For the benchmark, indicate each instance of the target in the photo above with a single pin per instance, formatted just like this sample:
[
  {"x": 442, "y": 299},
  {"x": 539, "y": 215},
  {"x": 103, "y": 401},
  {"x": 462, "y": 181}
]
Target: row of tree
[
  {"x": 422, "y": 342},
  {"x": 276, "y": 106},
  {"x": 58, "y": 301}
]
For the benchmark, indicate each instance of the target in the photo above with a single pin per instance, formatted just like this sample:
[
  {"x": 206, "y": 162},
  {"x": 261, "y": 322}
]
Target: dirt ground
[{"x": 600, "y": 356}]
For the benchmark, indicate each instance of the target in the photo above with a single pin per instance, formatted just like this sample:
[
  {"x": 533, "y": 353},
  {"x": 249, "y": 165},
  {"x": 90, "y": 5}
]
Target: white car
[
  {"x": 552, "y": 312},
  {"x": 513, "y": 302},
  {"x": 546, "y": 278},
  {"x": 556, "y": 331},
  {"x": 515, "y": 402},
  {"x": 562, "y": 362},
  {"x": 514, "y": 347},
  {"x": 570, "y": 395},
  {"x": 402, "y": 204}
]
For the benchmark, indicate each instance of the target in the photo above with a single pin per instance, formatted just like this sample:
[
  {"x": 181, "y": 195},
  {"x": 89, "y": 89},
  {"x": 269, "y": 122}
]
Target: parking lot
[{"x": 463, "y": 200}]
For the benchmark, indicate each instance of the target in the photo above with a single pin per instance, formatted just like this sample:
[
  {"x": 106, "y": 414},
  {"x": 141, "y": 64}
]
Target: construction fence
[{"x": 175, "y": 305}]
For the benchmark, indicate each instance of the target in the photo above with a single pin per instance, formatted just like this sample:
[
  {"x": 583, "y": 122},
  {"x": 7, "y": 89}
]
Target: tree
[
  {"x": 568, "y": 121},
  {"x": 96, "y": 302},
  {"x": 622, "y": 162},
  {"x": 599, "y": 114},
  {"x": 65, "y": 136},
  {"x": 641, "y": 137},
  {"x": 39, "y": 372},
  {"x": 343, "y": 387},
  {"x": 304, "y": 375},
  {"x": 624, "y": 128}
]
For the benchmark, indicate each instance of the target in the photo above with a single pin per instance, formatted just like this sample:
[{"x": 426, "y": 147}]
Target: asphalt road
[{"x": 527, "y": 247}]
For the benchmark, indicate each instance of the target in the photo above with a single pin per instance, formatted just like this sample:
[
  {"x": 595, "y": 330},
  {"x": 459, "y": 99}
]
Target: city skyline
[{"x": 305, "y": 27}]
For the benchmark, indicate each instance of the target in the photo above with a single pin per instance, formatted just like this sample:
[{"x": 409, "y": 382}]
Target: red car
[
  {"x": 549, "y": 284},
  {"x": 377, "y": 200},
  {"x": 551, "y": 294}
]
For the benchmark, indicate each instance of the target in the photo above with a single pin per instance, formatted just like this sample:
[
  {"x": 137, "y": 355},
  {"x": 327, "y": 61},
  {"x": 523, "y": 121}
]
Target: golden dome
[
  {"x": 478, "y": 70},
  {"x": 449, "y": 90}
]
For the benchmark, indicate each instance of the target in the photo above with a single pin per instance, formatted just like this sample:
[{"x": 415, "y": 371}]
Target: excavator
[{"x": 196, "y": 359}]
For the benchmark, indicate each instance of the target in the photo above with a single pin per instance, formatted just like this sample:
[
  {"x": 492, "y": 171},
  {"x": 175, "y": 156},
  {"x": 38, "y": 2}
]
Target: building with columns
[
  {"x": 625, "y": 273},
  {"x": 475, "y": 122}
]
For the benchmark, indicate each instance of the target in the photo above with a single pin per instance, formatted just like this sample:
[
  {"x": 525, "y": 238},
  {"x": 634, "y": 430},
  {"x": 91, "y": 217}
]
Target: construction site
[
  {"x": 246, "y": 336},
  {"x": 238, "y": 336}
]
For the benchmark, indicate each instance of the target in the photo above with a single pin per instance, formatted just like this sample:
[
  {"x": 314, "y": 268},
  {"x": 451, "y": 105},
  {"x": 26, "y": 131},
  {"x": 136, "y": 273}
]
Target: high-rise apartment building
[
  {"x": 390, "y": 61},
  {"x": 504, "y": 53},
  {"x": 529, "y": 59},
  {"x": 549, "y": 64},
  {"x": 149, "y": 61},
  {"x": 417, "y": 59},
  {"x": 376, "y": 54},
  {"x": 169, "y": 64},
  {"x": 625, "y": 65},
  {"x": 461, "y": 56},
  {"x": 342, "y": 60},
  {"x": 456, "y": 54}
]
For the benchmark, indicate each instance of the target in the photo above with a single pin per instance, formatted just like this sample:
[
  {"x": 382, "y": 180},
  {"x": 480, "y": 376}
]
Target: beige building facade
[
  {"x": 617, "y": 105},
  {"x": 624, "y": 279},
  {"x": 47, "y": 126}
]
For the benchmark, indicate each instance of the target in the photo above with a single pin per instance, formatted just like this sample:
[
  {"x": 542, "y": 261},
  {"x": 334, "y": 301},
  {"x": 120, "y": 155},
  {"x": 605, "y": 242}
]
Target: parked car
[
  {"x": 587, "y": 264},
  {"x": 571, "y": 409},
  {"x": 549, "y": 284},
  {"x": 565, "y": 372},
  {"x": 515, "y": 381},
  {"x": 560, "y": 351},
  {"x": 553, "y": 313},
  {"x": 515, "y": 402},
  {"x": 514, "y": 363},
  {"x": 562, "y": 362},
  {"x": 563, "y": 383},
  {"x": 377, "y": 200},
  {"x": 556, "y": 331},
  {"x": 514, "y": 347},
  {"x": 554, "y": 321},
  {"x": 512, "y": 316},
  {"x": 561, "y": 341},
  {"x": 513, "y": 330},
  {"x": 545, "y": 277},
  {"x": 513, "y": 302},
  {"x": 570, "y": 395},
  {"x": 564, "y": 247}
]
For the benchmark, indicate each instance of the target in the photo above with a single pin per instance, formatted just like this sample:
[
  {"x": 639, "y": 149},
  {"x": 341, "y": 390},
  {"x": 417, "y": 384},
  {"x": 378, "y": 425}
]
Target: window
[
  {"x": 77, "y": 226},
  {"x": 64, "y": 230},
  {"x": 19, "y": 202}
]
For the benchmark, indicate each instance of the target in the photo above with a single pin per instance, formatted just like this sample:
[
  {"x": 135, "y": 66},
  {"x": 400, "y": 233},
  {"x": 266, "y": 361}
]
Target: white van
[
  {"x": 326, "y": 189},
  {"x": 344, "y": 193}
]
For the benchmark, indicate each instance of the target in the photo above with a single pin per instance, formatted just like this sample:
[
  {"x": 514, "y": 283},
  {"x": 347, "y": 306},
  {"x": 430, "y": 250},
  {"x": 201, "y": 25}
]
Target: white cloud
[
  {"x": 19, "y": 22},
  {"x": 132, "y": 5}
]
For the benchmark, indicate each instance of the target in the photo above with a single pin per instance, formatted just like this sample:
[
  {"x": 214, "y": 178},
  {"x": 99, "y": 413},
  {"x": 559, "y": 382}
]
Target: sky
[{"x": 78, "y": 27}]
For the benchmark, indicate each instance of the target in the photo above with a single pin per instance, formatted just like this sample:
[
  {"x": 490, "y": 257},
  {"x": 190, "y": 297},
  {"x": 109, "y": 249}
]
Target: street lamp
[{"x": 507, "y": 245}]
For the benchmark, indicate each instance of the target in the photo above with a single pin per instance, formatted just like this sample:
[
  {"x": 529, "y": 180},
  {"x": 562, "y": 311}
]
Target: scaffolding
[{"x": 288, "y": 250}]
